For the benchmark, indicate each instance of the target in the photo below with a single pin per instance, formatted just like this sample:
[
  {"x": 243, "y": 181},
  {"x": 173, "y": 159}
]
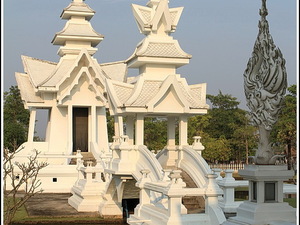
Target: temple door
[{"x": 80, "y": 129}]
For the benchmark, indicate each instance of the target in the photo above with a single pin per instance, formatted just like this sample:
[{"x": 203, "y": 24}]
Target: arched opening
[
  {"x": 129, "y": 205},
  {"x": 130, "y": 197}
]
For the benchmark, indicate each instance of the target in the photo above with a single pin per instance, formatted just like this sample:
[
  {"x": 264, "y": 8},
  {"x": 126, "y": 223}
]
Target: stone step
[
  {"x": 190, "y": 200},
  {"x": 87, "y": 156},
  {"x": 193, "y": 204}
]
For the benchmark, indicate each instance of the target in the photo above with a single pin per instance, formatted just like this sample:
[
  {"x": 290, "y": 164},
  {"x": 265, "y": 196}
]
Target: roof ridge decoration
[
  {"x": 265, "y": 83},
  {"x": 157, "y": 14},
  {"x": 157, "y": 21}
]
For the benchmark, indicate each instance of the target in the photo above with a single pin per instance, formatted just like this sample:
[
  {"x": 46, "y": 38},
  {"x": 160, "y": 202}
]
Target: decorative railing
[{"x": 225, "y": 166}]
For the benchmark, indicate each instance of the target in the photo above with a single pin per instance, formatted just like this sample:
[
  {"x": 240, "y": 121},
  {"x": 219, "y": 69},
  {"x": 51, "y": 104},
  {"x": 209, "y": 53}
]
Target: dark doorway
[
  {"x": 80, "y": 129},
  {"x": 128, "y": 206}
]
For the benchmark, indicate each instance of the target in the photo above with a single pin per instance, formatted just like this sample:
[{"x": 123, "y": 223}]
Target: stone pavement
[
  {"x": 56, "y": 205},
  {"x": 53, "y": 204}
]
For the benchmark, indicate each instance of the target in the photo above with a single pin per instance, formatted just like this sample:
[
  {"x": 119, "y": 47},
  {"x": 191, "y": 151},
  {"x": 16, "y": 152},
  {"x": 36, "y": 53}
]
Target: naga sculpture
[{"x": 265, "y": 83}]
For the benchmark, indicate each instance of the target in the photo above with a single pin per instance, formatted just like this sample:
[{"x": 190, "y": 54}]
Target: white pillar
[
  {"x": 172, "y": 153},
  {"x": 139, "y": 129},
  {"x": 93, "y": 123},
  {"x": 70, "y": 127},
  {"x": 130, "y": 129},
  {"x": 102, "y": 135},
  {"x": 183, "y": 130},
  {"x": 171, "y": 131},
  {"x": 31, "y": 124},
  {"x": 118, "y": 126},
  {"x": 174, "y": 206}
]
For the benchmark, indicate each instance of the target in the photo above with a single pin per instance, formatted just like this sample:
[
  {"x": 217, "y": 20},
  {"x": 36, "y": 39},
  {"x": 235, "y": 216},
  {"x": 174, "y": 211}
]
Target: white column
[
  {"x": 171, "y": 131},
  {"x": 130, "y": 129},
  {"x": 183, "y": 130},
  {"x": 93, "y": 123},
  {"x": 102, "y": 135},
  {"x": 31, "y": 124},
  {"x": 139, "y": 129},
  {"x": 118, "y": 126},
  {"x": 70, "y": 127}
]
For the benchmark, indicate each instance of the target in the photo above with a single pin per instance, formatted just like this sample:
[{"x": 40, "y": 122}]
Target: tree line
[{"x": 226, "y": 131}]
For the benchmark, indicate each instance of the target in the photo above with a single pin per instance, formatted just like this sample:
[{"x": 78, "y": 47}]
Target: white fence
[{"x": 225, "y": 166}]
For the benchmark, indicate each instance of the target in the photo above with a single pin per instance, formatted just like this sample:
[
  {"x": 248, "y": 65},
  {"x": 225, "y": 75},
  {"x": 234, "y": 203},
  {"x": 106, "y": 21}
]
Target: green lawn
[{"x": 291, "y": 201}]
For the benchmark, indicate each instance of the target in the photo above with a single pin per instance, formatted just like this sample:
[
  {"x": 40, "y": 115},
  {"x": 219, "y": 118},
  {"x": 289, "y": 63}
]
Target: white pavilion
[{"x": 77, "y": 92}]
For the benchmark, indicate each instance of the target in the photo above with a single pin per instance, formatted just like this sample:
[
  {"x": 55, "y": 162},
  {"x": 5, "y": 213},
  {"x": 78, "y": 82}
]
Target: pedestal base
[
  {"x": 264, "y": 213},
  {"x": 265, "y": 205}
]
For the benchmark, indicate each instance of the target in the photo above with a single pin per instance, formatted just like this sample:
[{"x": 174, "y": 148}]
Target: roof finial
[{"x": 263, "y": 12}]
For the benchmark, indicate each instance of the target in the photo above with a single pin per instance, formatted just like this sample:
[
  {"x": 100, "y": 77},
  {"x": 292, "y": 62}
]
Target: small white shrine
[{"x": 77, "y": 92}]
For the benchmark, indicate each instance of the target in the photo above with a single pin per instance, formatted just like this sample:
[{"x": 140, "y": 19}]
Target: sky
[{"x": 219, "y": 34}]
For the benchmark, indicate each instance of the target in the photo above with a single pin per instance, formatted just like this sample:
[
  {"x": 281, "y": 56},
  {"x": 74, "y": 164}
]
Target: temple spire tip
[{"x": 263, "y": 12}]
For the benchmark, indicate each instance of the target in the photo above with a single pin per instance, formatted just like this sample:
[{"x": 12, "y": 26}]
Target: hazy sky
[{"x": 219, "y": 34}]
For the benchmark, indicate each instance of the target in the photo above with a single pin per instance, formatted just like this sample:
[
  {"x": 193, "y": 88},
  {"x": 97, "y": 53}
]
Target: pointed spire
[
  {"x": 78, "y": 33},
  {"x": 263, "y": 12},
  {"x": 157, "y": 17},
  {"x": 153, "y": 3},
  {"x": 157, "y": 21},
  {"x": 265, "y": 83}
]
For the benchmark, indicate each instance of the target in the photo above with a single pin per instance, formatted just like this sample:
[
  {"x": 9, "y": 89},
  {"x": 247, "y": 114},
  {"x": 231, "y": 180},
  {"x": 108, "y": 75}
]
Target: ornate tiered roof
[
  {"x": 78, "y": 40},
  {"x": 158, "y": 89},
  {"x": 157, "y": 21}
]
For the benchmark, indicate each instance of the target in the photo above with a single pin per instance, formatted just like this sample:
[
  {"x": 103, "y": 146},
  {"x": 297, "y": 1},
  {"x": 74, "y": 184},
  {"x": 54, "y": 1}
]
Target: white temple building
[{"x": 77, "y": 92}]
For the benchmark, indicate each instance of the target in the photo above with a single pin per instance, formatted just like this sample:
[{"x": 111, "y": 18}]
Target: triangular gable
[
  {"x": 92, "y": 86},
  {"x": 85, "y": 60},
  {"x": 170, "y": 84},
  {"x": 66, "y": 67}
]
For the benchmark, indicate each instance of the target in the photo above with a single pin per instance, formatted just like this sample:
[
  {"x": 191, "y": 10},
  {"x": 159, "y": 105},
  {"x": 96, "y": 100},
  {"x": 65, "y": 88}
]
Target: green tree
[
  {"x": 216, "y": 149},
  {"x": 244, "y": 138},
  {"x": 227, "y": 121},
  {"x": 15, "y": 118},
  {"x": 110, "y": 126},
  {"x": 19, "y": 177},
  {"x": 196, "y": 126},
  {"x": 285, "y": 130},
  {"x": 155, "y": 133},
  {"x": 222, "y": 115}
]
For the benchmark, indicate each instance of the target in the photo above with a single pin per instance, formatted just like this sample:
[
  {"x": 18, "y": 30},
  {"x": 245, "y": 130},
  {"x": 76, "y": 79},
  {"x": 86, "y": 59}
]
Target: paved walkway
[
  {"x": 56, "y": 205},
  {"x": 45, "y": 204}
]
